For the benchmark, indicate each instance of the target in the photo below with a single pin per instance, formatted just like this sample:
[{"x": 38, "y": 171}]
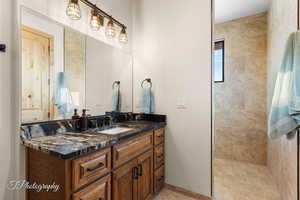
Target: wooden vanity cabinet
[
  {"x": 145, "y": 173},
  {"x": 130, "y": 149},
  {"x": 159, "y": 179},
  {"x": 100, "y": 190},
  {"x": 125, "y": 182},
  {"x": 134, "y": 180},
  {"x": 87, "y": 169},
  {"x": 131, "y": 170},
  {"x": 159, "y": 160}
]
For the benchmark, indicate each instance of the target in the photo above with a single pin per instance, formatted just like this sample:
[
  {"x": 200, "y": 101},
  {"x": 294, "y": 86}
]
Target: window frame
[{"x": 223, "y": 60}]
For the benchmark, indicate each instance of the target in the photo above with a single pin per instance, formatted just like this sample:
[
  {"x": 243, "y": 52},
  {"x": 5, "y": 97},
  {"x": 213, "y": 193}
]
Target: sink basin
[{"x": 115, "y": 130}]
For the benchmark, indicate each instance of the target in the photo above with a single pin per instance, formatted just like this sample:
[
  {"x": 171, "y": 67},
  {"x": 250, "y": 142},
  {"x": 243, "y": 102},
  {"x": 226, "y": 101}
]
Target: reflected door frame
[{"x": 49, "y": 111}]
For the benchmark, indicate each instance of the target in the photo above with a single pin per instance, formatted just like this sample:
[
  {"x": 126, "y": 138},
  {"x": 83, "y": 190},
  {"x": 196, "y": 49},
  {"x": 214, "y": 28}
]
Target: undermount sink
[{"x": 115, "y": 130}]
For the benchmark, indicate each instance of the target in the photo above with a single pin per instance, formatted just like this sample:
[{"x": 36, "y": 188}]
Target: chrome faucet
[{"x": 108, "y": 120}]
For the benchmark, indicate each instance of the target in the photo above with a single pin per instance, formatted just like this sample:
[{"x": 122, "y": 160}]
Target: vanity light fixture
[
  {"x": 73, "y": 10},
  {"x": 110, "y": 29},
  {"x": 97, "y": 19},
  {"x": 123, "y": 36}
]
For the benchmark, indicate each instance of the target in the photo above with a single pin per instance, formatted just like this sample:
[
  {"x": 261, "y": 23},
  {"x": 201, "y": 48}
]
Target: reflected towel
[
  {"x": 284, "y": 117},
  {"x": 116, "y": 100},
  {"x": 62, "y": 97},
  {"x": 147, "y": 101}
]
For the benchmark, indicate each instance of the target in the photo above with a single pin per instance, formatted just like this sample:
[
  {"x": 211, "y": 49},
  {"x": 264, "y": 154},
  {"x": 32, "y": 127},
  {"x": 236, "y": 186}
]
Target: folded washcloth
[
  {"x": 284, "y": 117},
  {"x": 147, "y": 101},
  {"x": 116, "y": 100}
]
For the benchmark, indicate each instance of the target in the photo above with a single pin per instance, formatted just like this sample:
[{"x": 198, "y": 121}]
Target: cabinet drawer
[
  {"x": 159, "y": 179},
  {"x": 130, "y": 149},
  {"x": 159, "y": 156},
  {"x": 90, "y": 168},
  {"x": 100, "y": 190},
  {"x": 159, "y": 136}
]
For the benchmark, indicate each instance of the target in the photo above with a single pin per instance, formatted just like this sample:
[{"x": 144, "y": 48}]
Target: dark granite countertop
[{"x": 69, "y": 144}]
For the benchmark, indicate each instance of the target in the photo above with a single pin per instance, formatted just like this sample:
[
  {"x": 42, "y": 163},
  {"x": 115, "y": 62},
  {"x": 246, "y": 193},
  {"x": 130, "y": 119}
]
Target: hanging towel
[
  {"x": 116, "y": 100},
  {"x": 62, "y": 97},
  {"x": 147, "y": 100},
  {"x": 284, "y": 117}
]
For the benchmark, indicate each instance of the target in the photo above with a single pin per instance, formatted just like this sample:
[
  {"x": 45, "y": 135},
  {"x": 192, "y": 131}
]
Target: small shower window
[{"x": 219, "y": 58}]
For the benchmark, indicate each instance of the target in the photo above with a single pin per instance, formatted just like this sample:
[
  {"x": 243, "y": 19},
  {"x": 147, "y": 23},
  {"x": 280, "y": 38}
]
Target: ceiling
[{"x": 226, "y": 10}]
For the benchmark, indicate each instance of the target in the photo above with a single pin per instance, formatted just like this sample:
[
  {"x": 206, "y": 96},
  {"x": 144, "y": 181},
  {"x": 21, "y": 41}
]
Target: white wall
[
  {"x": 172, "y": 45},
  {"x": 7, "y": 136}
]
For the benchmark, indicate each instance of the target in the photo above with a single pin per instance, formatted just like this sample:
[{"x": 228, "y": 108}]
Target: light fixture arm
[{"x": 103, "y": 13}]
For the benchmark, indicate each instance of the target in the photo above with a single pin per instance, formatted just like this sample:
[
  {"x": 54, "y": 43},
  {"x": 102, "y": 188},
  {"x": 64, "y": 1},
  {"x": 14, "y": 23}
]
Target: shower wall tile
[
  {"x": 282, "y": 153},
  {"x": 240, "y": 102}
]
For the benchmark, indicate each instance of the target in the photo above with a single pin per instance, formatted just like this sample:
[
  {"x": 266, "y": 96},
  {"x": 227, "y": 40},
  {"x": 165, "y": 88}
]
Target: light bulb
[
  {"x": 110, "y": 29},
  {"x": 96, "y": 20},
  {"x": 73, "y": 10},
  {"x": 123, "y": 36}
]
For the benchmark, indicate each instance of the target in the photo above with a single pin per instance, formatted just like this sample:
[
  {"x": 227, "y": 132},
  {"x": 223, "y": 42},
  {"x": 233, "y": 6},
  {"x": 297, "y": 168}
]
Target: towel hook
[
  {"x": 118, "y": 83},
  {"x": 148, "y": 80}
]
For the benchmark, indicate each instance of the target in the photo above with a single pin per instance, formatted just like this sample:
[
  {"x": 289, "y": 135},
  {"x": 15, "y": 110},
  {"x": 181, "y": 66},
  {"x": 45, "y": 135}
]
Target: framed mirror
[{"x": 64, "y": 69}]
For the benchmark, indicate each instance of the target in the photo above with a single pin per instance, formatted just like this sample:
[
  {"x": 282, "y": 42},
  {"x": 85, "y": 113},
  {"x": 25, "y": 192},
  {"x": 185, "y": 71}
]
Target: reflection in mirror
[
  {"x": 75, "y": 66},
  {"x": 108, "y": 78},
  {"x": 42, "y": 59},
  {"x": 53, "y": 77},
  {"x": 63, "y": 69},
  {"x": 37, "y": 48}
]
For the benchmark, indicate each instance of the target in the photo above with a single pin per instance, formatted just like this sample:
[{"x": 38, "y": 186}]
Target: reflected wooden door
[{"x": 36, "y": 98}]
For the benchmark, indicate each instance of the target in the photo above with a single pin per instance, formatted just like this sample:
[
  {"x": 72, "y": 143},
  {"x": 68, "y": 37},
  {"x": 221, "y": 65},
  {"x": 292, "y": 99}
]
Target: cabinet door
[
  {"x": 159, "y": 179},
  {"x": 99, "y": 190},
  {"x": 125, "y": 182},
  {"x": 145, "y": 172}
]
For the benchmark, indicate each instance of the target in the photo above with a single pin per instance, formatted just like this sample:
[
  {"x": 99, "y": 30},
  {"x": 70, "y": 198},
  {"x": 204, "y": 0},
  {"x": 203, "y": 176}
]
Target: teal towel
[
  {"x": 62, "y": 97},
  {"x": 147, "y": 101},
  {"x": 116, "y": 100},
  {"x": 284, "y": 117}
]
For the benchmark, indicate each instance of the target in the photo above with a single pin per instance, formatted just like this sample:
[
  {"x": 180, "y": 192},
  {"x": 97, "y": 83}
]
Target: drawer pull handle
[
  {"x": 160, "y": 156},
  {"x": 140, "y": 170},
  {"x": 100, "y": 165},
  {"x": 135, "y": 173},
  {"x": 160, "y": 136},
  {"x": 160, "y": 179}
]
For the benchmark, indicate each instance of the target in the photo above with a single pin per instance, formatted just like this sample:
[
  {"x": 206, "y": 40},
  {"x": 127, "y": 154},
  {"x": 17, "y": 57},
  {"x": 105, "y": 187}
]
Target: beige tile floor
[
  {"x": 166, "y": 194},
  {"x": 235, "y": 180}
]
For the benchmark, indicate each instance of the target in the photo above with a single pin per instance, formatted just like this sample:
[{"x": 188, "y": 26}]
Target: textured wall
[
  {"x": 282, "y": 153},
  {"x": 240, "y": 102}
]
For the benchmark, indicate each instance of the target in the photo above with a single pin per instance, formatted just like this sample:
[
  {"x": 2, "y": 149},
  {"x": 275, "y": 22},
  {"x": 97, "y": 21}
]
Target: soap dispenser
[
  {"x": 75, "y": 116},
  {"x": 84, "y": 120},
  {"x": 76, "y": 120}
]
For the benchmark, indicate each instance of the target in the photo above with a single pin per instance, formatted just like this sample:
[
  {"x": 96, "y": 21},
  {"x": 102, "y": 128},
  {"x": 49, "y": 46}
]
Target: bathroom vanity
[
  {"x": 91, "y": 165},
  {"x": 117, "y": 156}
]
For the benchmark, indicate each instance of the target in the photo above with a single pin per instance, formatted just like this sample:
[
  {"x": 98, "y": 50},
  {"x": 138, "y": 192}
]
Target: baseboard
[{"x": 187, "y": 192}]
